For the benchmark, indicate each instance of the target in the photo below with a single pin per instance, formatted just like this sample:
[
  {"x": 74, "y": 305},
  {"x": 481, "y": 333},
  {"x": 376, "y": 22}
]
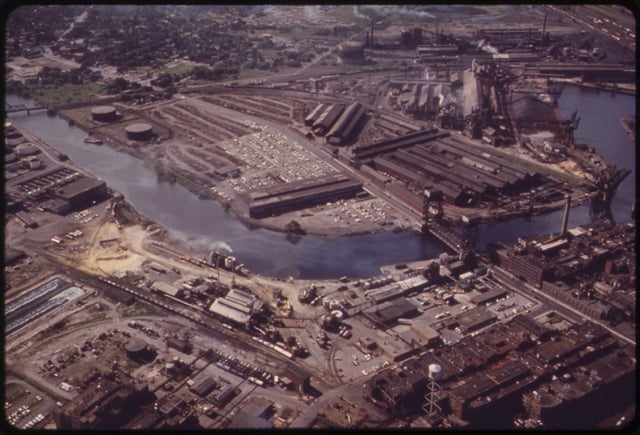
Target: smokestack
[
  {"x": 565, "y": 216},
  {"x": 371, "y": 33},
  {"x": 544, "y": 28}
]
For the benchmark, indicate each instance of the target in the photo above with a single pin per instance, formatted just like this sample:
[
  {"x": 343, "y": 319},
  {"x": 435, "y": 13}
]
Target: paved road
[
  {"x": 307, "y": 417},
  {"x": 565, "y": 310},
  {"x": 585, "y": 17}
]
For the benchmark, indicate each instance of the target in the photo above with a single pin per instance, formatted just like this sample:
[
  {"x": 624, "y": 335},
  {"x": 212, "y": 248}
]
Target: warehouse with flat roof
[
  {"x": 300, "y": 194},
  {"x": 82, "y": 192}
]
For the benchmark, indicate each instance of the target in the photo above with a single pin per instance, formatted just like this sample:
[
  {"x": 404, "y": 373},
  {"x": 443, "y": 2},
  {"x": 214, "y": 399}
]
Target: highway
[{"x": 604, "y": 26}]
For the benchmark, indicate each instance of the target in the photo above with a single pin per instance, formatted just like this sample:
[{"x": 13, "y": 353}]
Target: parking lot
[
  {"x": 25, "y": 407},
  {"x": 352, "y": 362},
  {"x": 272, "y": 158}
]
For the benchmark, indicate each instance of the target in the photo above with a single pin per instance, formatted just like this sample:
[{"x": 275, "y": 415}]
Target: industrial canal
[{"x": 205, "y": 225}]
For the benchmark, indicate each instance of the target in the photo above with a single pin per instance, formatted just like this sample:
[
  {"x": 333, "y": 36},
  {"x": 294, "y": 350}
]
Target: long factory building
[
  {"x": 434, "y": 161},
  {"x": 338, "y": 123},
  {"x": 300, "y": 194},
  {"x": 327, "y": 118},
  {"x": 346, "y": 126}
]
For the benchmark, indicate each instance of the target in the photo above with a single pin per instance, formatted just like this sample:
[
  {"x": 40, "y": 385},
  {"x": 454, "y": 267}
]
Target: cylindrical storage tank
[
  {"x": 13, "y": 137},
  {"x": 352, "y": 52},
  {"x": 337, "y": 314},
  {"x": 136, "y": 348},
  {"x": 139, "y": 131},
  {"x": 35, "y": 163},
  {"x": 434, "y": 372},
  {"x": 104, "y": 114},
  {"x": 169, "y": 366},
  {"x": 26, "y": 149}
]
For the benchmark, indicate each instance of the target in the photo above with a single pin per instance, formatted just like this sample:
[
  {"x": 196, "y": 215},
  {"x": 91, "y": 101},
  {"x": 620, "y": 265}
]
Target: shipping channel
[{"x": 205, "y": 225}]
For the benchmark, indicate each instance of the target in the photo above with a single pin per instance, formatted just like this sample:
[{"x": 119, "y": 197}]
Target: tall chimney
[
  {"x": 565, "y": 216},
  {"x": 371, "y": 33},
  {"x": 544, "y": 29}
]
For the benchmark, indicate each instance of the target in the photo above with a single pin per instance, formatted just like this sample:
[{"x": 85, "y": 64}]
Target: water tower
[{"x": 434, "y": 376}]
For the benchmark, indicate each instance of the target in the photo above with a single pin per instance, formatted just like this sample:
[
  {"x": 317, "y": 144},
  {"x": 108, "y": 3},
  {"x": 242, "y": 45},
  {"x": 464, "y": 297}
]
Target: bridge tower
[
  {"x": 431, "y": 207},
  {"x": 470, "y": 232}
]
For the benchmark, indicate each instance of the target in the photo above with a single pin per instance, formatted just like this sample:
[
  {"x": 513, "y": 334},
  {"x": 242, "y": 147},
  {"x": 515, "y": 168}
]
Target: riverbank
[
  {"x": 336, "y": 219},
  {"x": 629, "y": 125},
  {"x": 623, "y": 88},
  {"x": 322, "y": 222}
]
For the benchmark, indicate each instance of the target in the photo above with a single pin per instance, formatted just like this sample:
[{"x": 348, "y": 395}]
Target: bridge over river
[
  {"x": 8, "y": 108},
  {"x": 15, "y": 108}
]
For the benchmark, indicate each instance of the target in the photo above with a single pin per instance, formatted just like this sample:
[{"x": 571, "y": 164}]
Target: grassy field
[
  {"x": 141, "y": 308},
  {"x": 178, "y": 68},
  {"x": 252, "y": 74},
  {"x": 51, "y": 95},
  {"x": 571, "y": 180},
  {"x": 143, "y": 69}
]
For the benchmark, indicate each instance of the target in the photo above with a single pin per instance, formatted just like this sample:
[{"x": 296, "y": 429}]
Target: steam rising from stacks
[{"x": 485, "y": 46}]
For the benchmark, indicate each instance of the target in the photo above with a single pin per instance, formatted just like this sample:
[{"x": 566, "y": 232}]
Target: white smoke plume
[
  {"x": 388, "y": 10},
  {"x": 220, "y": 246},
  {"x": 358, "y": 14},
  {"x": 312, "y": 13},
  {"x": 405, "y": 10},
  {"x": 485, "y": 46}
]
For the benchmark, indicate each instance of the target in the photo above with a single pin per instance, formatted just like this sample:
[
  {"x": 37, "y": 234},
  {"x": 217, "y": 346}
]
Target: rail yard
[{"x": 385, "y": 123}]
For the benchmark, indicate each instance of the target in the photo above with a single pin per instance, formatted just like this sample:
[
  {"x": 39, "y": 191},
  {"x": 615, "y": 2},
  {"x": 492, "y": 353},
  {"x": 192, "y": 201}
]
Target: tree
[
  {"x": 294, "y": 227},
  {"x": 164, "y": 80}
]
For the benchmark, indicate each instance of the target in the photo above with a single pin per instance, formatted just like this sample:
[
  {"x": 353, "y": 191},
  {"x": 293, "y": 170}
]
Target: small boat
[{"x": 93, "y": 140}]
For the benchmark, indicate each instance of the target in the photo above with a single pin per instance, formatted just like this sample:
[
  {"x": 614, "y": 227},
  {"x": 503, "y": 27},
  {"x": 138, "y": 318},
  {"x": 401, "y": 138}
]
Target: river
[
  {"x": 600, "y": 113},
  {"x": 205, "y": 225}
]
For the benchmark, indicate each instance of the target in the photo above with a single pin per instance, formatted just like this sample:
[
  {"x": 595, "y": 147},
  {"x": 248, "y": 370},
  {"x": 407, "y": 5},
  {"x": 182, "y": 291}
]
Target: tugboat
[{"x": 93, "y": 140}]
